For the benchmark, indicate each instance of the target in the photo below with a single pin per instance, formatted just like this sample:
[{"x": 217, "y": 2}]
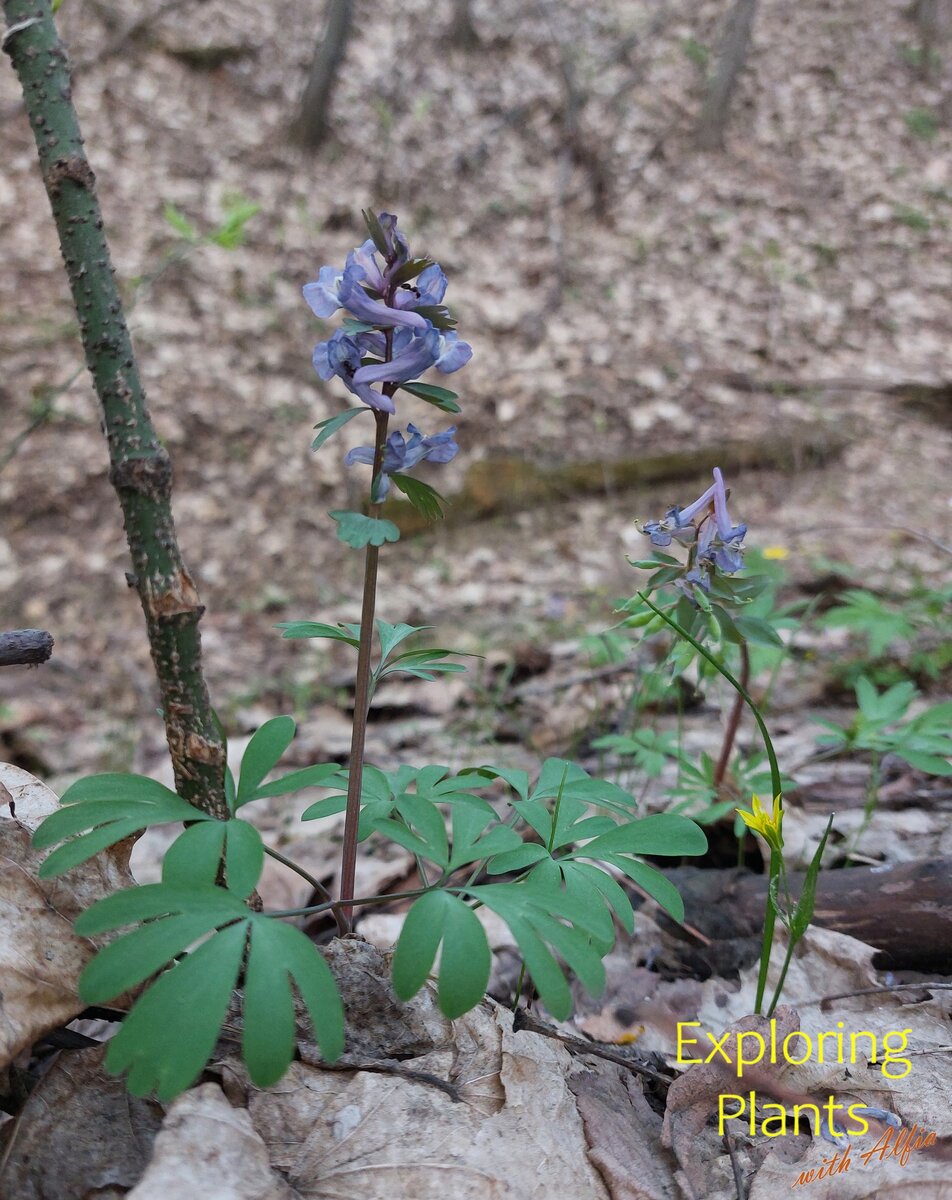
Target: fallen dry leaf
[
  {"x": 208, "y": 1149},
  {"x": 40, "y": 956}
]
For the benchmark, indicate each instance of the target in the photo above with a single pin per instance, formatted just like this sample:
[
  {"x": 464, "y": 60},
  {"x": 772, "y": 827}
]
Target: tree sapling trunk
[{"x": 140, "y": 468}]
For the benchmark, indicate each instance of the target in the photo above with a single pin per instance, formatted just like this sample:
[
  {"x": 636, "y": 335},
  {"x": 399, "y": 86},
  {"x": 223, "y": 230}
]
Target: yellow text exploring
[{"x": 741, "y": 1050}]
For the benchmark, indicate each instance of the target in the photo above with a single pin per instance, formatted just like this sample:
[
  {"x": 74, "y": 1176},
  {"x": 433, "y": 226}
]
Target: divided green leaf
[
  {"x": 171, "y": 1032},
  {"x": 357, "y": 530},
  {"x": 101, "y": 810}
]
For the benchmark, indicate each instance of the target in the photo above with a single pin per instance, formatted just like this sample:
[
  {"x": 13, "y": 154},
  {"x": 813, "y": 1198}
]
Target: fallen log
[{"x": 904, "y": 910}]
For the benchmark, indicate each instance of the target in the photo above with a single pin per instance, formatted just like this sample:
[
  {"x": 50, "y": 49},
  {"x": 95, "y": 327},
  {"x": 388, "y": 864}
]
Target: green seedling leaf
[
  {"x": 354, "y": 529},
  {"x": 436, "y": 919},
  {"x": 180, "y": 223},
  {"x": 441, "y": 398},
  {"x": 334, "y": 424}
]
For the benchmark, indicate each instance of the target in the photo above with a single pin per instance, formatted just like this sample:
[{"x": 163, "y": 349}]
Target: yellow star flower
[{"x": 767, "y": 824}]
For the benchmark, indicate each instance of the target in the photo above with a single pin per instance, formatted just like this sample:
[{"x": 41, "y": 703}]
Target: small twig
[
  {"x": 25, "y": 647},
  {"x": 525, "y": 1020},
  {"x": 876, "y": 991},
  {"x": 735, "y": 1167},
  {"x": 392, "y": 1067}
]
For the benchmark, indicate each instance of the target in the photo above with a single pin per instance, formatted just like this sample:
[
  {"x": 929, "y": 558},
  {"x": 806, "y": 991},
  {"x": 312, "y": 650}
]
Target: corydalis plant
[
  {"x": 396, "y": 330},
  {"x": 560, "y": 842}
]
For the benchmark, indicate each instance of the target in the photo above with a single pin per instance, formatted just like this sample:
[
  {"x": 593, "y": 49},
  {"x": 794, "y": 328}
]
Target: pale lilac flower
[
  {"x": 716, "y": 543},
  {"x": 401, "y": 454}
]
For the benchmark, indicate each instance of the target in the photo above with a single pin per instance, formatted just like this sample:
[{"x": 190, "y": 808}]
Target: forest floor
[{"x": 782, "y": 310}]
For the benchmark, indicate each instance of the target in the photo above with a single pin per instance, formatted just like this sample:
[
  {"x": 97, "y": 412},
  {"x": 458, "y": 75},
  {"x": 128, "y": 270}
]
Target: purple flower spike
[
  {"x": 397, "y": 331},
  {"x": 403, "y": 453}
]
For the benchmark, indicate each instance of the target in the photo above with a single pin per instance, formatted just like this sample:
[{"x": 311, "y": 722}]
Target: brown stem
[
  {"x": 730, "y": 733},
  {"x": 362, "y": 689}
]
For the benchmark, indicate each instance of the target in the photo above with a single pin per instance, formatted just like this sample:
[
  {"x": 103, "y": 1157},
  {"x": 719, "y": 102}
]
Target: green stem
[
  {"x": 355, "y": 902},
  {"x": 770, "y": 922},
  {"x": 140, "y": 468},
  {"x": 316, "y": 884},
  {"x": 719, "y": 666}
]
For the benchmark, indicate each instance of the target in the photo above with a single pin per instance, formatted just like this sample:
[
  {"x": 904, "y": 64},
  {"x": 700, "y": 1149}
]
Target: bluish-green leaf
[
  {"x": 277, "y": 952},
  {"x": 392, "y": 635},
  {"x": 318, "y": 629},
  {"x": 517, "y": 859},
  {"x": 329, "y": 807},
  {"x": 171, "y": 1031},
  {"x": 134, "y": 905},
  {"x": 333, "y": 424},
  {"x": 356, "y": 530},
  {"x": 77, "y": 850},
  {"x": 170, "y": 1034},
  {"x": 658, "y": 886},
  {"x": 442, "y": 398}
]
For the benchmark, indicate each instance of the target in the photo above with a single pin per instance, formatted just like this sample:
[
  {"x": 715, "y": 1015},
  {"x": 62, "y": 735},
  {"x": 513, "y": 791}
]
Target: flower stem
[
  {"x": 770, "y": 921},
  {"x": 730, "y": 733},
  {"x": 361, "y": 692}
]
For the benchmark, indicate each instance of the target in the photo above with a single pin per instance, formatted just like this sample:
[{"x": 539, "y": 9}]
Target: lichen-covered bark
[{"x": 141, "y": 471}]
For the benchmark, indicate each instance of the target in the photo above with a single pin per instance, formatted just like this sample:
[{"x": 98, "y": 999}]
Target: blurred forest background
[{"x": 678, "y": 234}]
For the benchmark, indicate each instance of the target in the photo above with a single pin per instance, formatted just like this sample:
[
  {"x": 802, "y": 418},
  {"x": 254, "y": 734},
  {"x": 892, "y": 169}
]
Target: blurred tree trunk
[
  {"x": 932, "y": 20},
  {"x": 312, "y": 124},
  {"x": 730, "y": 62},
  {"x": 462, "y": 30}
]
